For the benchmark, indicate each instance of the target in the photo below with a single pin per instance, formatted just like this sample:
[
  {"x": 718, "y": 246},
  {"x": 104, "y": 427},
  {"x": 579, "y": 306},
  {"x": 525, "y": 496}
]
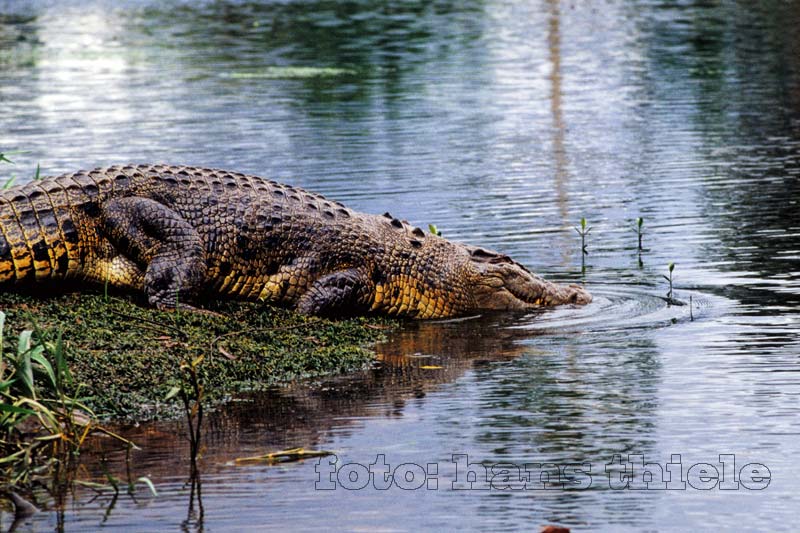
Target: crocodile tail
[
  {"x": 7, "y": 271},
  {"x": 37, "y": 240}
]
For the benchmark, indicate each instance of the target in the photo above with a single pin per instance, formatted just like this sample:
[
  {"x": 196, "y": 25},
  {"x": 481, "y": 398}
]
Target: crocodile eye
[{"x": 485, "y": 256}]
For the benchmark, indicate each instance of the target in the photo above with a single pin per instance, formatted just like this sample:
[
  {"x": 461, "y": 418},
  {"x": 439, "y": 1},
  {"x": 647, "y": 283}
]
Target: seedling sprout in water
[
  {"x": 639, "y": 232},
  {"x": 583, "y": 232},
  {"x": 669, "y": 279}
]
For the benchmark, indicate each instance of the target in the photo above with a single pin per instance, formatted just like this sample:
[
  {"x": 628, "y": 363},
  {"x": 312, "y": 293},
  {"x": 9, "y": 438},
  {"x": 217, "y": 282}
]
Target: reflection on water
[{"x": 503, "y": 122}]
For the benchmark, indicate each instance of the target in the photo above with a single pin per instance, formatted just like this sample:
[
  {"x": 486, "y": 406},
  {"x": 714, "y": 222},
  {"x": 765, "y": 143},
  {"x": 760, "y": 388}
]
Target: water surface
[{"x": 504, "y": 123}]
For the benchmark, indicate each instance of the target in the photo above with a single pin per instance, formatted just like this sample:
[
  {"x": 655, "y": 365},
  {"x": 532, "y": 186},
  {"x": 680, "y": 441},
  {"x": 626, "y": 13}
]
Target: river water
[{"x": 503, "y": 123}]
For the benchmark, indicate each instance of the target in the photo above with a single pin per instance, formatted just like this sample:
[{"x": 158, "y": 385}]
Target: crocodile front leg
[
  {"x": 164, "y": 245},
  {"x": 339, "y": 293}
]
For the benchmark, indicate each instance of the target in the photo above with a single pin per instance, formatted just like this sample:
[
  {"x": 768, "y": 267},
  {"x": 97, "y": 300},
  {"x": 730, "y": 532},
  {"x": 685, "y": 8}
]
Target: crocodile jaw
[{"x": 509, "y": 286}]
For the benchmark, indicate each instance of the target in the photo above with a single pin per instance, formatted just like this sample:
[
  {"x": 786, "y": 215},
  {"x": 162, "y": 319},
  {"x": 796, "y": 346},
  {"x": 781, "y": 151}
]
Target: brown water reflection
[{"x": 414, "y": 361}]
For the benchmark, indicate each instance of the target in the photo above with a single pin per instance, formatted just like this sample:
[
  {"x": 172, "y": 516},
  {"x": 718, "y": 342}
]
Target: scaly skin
[{"x": 182, "y": 234}]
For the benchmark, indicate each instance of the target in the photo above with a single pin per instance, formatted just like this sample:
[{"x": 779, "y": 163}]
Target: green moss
[{"x": 127, "y": 356}]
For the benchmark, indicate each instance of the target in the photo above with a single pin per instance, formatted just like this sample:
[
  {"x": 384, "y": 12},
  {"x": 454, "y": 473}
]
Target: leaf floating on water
[
  {"x": 292, "y": 73},
  {"x": 284, "y": 456},
  {"x": 431, "y": 367}
]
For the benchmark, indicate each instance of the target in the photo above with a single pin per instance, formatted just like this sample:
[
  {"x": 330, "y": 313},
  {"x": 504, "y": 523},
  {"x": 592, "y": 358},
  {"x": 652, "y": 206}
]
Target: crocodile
[{"x": 183, "y": 235}]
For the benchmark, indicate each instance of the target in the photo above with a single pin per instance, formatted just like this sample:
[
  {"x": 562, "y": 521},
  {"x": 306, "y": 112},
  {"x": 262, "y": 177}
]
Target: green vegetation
[
  {"x": 191, "y": 392},
  {"x": 128, "y": 358},
  {"x": 434, "y": 230},
  {"x": 583, "y": 231},
  {"x": 70, "y": 360},
  {"x": 12, "y": 179},
  {"x": 639, "y": 232},
  {"x": 671, "y": 267},
  {"x": 43, "y": 421}
]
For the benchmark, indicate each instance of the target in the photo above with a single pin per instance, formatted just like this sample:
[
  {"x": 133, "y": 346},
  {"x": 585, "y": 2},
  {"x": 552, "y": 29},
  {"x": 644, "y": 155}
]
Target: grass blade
[{"x": 146, "y": 481}]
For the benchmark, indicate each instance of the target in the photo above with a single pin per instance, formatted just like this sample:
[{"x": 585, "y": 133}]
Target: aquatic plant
[
  {"x": 583, "y": 231},
  {"x": 639, "y": 231},
  {"x": 671, "y": 267},
  {"x": 433, "y": 229},
  {"x": 191, "y": 392}
]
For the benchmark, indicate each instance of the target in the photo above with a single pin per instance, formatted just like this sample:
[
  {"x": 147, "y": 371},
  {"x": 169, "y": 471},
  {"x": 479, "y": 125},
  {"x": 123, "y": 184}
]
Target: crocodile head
[{"x": 498, "y": 282}]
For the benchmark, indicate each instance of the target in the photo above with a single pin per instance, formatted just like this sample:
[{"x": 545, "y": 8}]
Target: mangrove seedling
[
  {"x": 671, "y": 267},
  {"x": 433, "y": 229},
  {"x": 583, "y": 231},
  {"x": 638, "y": 230},
  {"x": 191, "y": 393}
]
